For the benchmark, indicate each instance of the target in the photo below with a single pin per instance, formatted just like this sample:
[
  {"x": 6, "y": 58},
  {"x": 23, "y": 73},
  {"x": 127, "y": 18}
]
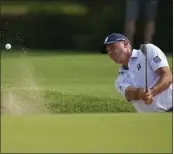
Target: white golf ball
[{"x": 8, "y": 46}]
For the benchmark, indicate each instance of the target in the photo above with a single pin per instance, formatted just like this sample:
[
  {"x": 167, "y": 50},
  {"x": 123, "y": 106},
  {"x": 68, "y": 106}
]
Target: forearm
[
  {"x": 164, "y": 82},
  {"x": 132, "y": 93}
]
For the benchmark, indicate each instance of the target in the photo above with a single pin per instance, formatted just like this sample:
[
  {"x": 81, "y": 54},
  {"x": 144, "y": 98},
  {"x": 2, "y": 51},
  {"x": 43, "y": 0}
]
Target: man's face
[{"x": 117, "y": 51}]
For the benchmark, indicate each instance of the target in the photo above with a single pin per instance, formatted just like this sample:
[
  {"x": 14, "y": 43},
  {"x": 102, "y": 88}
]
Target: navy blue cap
[{"x": 112, "y": 38}]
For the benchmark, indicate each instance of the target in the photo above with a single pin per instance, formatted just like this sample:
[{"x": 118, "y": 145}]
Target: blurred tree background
[{"x": 76, "y": 24}]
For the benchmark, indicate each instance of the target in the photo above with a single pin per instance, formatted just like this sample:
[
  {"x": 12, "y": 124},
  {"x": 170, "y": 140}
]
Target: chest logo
[{"x": 138, "y": 66}]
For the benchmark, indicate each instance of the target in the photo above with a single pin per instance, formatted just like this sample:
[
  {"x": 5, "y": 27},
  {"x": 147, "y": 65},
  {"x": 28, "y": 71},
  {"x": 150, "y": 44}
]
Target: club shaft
[
  {"x": 144, "y": 50},
  {"x": 146, "y": 68}
]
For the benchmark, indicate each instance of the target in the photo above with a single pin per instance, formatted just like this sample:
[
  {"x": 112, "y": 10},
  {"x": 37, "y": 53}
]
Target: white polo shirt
[{"x": 135, "y": 76}]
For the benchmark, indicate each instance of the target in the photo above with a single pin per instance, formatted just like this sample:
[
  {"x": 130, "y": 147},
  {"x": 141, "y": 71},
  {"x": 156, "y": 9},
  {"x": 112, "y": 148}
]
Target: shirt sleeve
[
  {"x": 122, "y": 82},
  {"x": 156, "y": 57}
]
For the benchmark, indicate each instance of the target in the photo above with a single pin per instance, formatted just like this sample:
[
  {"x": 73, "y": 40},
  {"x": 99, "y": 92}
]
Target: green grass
[
  {"x": 80, "y": 78},
  {"x": 73, "y": 83},
  {"x": 24, "y": 8},
  {"x": 78, "y": 81},
  {"x": 83, "y": 73},
  {"x": 116, "y": 133},
  {"x": 58, "y": 102},
  {"x": 78, "y": 73}
]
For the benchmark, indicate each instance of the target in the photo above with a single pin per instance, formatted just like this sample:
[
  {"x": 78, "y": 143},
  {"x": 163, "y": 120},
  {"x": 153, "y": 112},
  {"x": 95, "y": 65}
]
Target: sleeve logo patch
[{"x": 156, "y": 59}]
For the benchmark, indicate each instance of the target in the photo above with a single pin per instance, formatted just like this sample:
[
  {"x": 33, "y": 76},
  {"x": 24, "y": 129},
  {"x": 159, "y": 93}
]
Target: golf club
[{"x": 144, "y": 50}]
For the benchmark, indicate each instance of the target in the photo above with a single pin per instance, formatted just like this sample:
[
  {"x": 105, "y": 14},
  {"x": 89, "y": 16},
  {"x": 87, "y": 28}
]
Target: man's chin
[{"x": 117, "y": 62}]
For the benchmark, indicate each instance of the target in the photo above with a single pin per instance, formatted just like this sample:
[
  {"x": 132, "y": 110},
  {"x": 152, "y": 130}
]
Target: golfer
[{"x": 131, "y": 80}]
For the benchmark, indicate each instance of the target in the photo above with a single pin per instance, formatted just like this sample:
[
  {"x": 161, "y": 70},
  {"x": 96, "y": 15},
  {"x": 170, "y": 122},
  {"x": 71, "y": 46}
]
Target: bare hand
[{"x": 145, "y": 96}]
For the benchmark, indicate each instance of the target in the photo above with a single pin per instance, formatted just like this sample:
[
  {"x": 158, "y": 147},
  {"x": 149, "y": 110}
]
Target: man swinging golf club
[{"x": 144, "y": 78}]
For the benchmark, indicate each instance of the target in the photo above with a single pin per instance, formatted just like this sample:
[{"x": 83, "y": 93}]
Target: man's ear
[{"x": 126, "y": 43}]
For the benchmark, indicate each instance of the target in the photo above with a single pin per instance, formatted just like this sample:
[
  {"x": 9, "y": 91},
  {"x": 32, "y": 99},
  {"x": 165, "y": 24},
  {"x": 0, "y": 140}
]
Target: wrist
[
  {"x": 138, "y": 92},
  {"x": 153, "y": 91}
]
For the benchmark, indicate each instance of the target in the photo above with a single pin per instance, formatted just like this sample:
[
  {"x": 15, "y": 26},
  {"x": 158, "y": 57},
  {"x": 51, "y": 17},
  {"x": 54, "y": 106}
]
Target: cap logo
[{"x": 106, "y": 39}]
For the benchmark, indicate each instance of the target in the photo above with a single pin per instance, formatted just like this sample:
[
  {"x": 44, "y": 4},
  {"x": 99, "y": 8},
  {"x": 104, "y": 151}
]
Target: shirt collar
[
  {"x": 134, "y": 53},
  {"x": 122, "y": 69}
]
